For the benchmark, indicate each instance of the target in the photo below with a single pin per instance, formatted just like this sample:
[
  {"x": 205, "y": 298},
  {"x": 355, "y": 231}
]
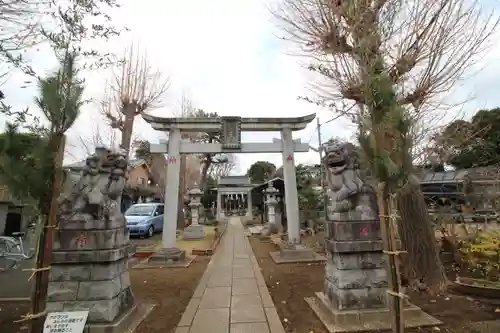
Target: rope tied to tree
[
  {"x": 393, "y": 253},
  {"x": 31, "y": 316},
  {"x": 398, "y": 295},
  {"x": 35, "y": 270}
]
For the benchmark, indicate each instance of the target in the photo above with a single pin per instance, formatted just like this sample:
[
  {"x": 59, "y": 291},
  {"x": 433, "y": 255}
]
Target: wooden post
[
  {"x": 395, "y": 296},
  {"x": 44, "y": 253}
]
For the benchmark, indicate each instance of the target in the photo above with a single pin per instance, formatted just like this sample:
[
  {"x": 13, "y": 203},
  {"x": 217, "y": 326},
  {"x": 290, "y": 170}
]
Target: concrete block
[
  {"x": 352, "y": 299},
  {"x": 85, "y": 222},
  {"x": 103, "y": 311},
  {"x": 125, "y": 280},
  {"x": 354, "y": 230},
  {"x": 194, "y": 231},
  {"x": 167, "y": 256},
  {"x": 108, "y": 271},
  {"x": 62, "y": 291},
  {"x": 68, "y": 257},
  {"x": 98, "y": 290},
  {"x": 54, "y": 306},
  {"x": 337, "y": 321},
  {"x": 358, "y": 246},
  {"x": 59, "y": 273},
  {"x": 66, "y": 240},
  {"x": 297, "y": 253},
  {"x": 356, "y": 278}
]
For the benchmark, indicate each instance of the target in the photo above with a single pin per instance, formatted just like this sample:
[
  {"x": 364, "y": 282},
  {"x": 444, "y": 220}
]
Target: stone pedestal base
[
  {"x": 194, "y": 231},
  {"x": 90, "y": 270},
  {"x": 299, "y": 253},
  {"x": 269, "y": 229},
  {"x": 248, "y": 221},
  {"x": 256, "y": 230},
  {"x": 127, "y": 322},
  {"x": 365, "y": 320},
  {"x": 167, "y": 257},
  {"x": 132, "y": 249}
]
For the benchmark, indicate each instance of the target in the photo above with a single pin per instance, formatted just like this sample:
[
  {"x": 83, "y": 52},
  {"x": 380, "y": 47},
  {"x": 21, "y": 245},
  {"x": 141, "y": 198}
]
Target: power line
[{"x": 318, "y": 127}]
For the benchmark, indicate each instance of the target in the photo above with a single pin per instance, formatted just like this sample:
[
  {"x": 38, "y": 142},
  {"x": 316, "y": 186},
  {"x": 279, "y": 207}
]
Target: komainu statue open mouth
[{"x": 337, "y": 157}]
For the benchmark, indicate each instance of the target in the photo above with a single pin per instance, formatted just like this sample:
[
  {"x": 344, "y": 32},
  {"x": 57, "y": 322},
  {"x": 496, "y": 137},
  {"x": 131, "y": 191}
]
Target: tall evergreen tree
[{"x": 60, "y": 100}]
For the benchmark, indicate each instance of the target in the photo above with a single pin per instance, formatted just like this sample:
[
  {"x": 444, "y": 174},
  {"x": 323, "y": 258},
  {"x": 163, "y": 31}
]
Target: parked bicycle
[{"x": 13, "y": 249}]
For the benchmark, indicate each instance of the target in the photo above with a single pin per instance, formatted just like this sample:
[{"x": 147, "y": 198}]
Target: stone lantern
[
  {"x": 271, "y": 203},
  {"x": 195, "y": 230}
]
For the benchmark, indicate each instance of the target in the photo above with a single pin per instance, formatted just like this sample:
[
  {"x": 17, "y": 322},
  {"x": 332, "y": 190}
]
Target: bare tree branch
[
  {"x": 192, "y": 172},
  {"x": 100, "y": 136},
  {"x": 222, "y": 169},
  {"x": 139, "y": 84},
  {"x": 427, "y": 45},
  {"x": 64, "y": 24},
  {"x": 137, "y": 88}
]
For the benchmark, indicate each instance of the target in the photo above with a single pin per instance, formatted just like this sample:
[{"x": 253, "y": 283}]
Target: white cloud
[{"x": 226, "y": 54}]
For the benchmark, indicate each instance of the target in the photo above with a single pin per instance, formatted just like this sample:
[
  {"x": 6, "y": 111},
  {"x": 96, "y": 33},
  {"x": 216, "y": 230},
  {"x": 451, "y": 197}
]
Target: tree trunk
[
  {"x": 44, "y": 250},
  {"x": 128, "y": 126},
  {"x": 204, "y": 172},
  {"x": 422, "y": 263}
]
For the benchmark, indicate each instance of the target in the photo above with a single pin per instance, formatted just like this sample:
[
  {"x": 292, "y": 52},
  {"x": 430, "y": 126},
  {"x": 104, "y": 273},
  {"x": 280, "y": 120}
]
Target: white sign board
[{"x": 65, "y": 322}]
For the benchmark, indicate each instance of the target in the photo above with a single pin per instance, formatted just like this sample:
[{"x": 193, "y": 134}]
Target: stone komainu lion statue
[
  {"x": 98, "y": 191},
  {"x": 348, "y": 192}
]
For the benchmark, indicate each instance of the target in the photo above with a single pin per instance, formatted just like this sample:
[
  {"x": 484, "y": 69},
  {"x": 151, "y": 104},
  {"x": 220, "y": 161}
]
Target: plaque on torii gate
[
  {"x": 230, "y": 129},
  {"x": 231, "y": 134}
]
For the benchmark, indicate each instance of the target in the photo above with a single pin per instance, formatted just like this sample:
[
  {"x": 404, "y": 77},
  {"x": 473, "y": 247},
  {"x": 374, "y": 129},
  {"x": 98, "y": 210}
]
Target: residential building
[{"x": 12, "y": 213}]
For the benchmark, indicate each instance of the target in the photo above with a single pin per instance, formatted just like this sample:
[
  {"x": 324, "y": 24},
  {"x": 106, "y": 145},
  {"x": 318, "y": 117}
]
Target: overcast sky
[{"x": 225, "y": 53}]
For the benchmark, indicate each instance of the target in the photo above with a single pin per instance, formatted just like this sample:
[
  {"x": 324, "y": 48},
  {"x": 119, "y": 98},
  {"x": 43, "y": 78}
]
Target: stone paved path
[{"x": 232, "y": 296}]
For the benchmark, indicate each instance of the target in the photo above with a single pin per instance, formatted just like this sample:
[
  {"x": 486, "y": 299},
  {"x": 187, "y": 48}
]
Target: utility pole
[
  {"x": 320, "y": 148},
  {"x": 320, "y": 151}
]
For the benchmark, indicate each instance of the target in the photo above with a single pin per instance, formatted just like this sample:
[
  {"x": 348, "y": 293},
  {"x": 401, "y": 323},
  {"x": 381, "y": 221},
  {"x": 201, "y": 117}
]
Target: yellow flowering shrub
[{"x": 482, "y": 255}]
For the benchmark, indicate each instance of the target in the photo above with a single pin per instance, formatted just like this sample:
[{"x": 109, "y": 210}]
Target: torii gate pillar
[
  {"x": 169, "y": 251},
  {"x": 291, "y": 196}
]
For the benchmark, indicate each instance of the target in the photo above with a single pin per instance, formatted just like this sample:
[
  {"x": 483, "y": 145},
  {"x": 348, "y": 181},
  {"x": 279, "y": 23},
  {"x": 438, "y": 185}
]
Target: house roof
[
  {"x": 464, "y": 175},
  {"x": 443, "y": 177},
  {"x": 234, "y": 180}
]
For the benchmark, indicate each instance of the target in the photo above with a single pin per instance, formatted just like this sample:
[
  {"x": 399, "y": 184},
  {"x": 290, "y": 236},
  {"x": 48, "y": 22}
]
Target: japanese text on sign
[
  {"x": 65, "y": 322},
  {"x": 231, "y": 132}
]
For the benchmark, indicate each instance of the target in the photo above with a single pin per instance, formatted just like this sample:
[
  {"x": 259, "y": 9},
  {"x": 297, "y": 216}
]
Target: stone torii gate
[{"x": 230, "y": 129}]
